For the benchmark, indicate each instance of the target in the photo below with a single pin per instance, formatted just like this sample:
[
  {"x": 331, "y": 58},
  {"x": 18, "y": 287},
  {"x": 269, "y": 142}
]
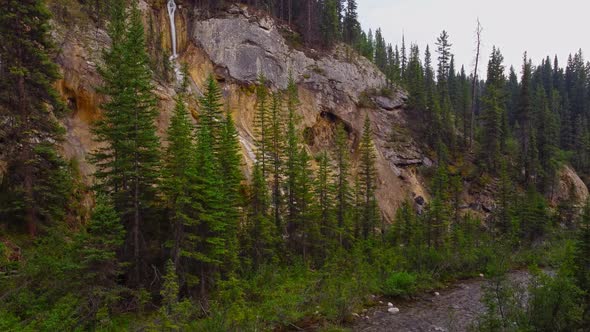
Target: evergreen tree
[
  {"x": 369, "y": 52},
  {"x": 29, "y": 132},
  {"x": 325, "y": 198},
  {"x": 524, "y": 118},
  {"x": 276, "y": 148},
  {"x": 127, "y": 162},
  {"x": 429, "y": 84},
  {"x": 415, "y": 80},
  {"x": 582, "y": 261},
  {"x": 341, "y": 184},
  {"x": 291, "y": 154},
  {"x": 404, "y": 57},
  {"x": 305, "y": 225},
  {"x": 493, "y": 104},
  {"x": 100, "y": 265},
  {"x": 261, "y": 237},
  {"x": 367, "y": 180},
  {"x": 230, "y": 162},
  {"x": 444, "y": 58},
  {"x": 330, "y": 22},
  {"x": 262, "y": 126},
  {"x": 380, "y": 51},
  {"x": 350, "y": 23},
  {"x": 213, "y": 223},
  {"x": 179, "y": 175},
  {"x": 174, "y": 314}
]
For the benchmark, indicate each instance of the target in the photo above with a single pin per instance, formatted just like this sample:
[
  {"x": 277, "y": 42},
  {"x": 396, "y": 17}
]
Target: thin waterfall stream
[{"x": 171, "y": 10}]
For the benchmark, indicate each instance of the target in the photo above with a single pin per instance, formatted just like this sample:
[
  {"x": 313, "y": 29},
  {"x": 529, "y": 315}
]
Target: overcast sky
[{"x": 541, "y": 27}]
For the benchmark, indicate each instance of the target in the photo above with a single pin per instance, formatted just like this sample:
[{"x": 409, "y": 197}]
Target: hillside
[
  {"x": 195, "y": 165},
  {"x": 237, "y": 46}
]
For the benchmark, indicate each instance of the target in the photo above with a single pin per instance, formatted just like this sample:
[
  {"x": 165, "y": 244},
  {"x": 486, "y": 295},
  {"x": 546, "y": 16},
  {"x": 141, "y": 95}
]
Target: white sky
[{"x": 541, "y": 27}]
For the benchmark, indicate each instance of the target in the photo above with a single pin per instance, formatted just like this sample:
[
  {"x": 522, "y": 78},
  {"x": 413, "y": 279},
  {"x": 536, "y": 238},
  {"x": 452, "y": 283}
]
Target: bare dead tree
[{"x": 478, "y": 32}]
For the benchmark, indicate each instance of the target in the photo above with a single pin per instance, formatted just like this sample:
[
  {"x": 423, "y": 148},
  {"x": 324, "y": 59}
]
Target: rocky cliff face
[
  {"x": 335, "y": 87},
  {"x": 236, "y": 46}
]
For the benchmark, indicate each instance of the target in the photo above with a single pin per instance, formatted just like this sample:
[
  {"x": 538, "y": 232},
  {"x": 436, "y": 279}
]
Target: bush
[{"x": 400, "y": 284}]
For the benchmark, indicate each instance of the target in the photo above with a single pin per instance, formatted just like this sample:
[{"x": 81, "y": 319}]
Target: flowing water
[
  {"x": 171, "y": 10},
  {"x": 454, "y": 310}
]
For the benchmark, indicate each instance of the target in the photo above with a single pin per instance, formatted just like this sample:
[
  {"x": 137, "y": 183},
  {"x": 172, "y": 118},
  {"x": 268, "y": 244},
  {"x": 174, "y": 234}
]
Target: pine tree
[
  {"x": 100, "y": 265},
  {"x": 330, "y": 22},
  {"x": 341, "y": 156},
  {"x": 179, "y": 176},
  {"x": 291, "y": 154},
  {"x": 262, "y": 234},
  {"x": 368, "y": 180},
  {"x": 493, "y": 104},
  {"x": 429, "y": 84},
  {"x": 582, "y": 259},
  {"x": 211, "y": 113},
  {"x": 504, "y": 201},
  {"x": 262, "y": 125},
  {"x": 29, "y": 130},
  {"x": 404, "y": 58},
  {"x": 174, "y": 314},
  {"x": 305, "y": 224},
  {"x": 444, "y": 58},
  {"x": 127, "y": 162},
  {"x": 213, "y": 225},
  {"x": 380, "y": 51},
  {"x": 230, "y": 162},
  {"x": 325, "y": 198},
  {"x": 524, "y": 119},
  {"x": 351, "y": 24},
  {"x": 276, "y": 148},
  {"x": 415, "y": 80}
]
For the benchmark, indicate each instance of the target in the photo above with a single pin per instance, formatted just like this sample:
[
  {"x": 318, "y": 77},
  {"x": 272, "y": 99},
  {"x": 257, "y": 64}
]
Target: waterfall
[
  {"x": 171, "y": 10},
  {"x": 174, "y": 57}
]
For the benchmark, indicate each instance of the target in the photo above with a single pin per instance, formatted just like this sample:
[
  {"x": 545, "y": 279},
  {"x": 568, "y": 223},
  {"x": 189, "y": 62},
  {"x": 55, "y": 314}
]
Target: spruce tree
[
  {"x": 261, "y": 235},
  {"x": 291, "y": 154},
  {"x": 415, "y": 80},
  {"x": 230, "y": 162},
  {"x": 493, "y": 113},
  {"x": 325, "y": 199},
  {"x": 524, "y": 119},
  {"x": 582, "y": 260},
  {"x": 262, "y": 126},
  {"x": 380, "y": 51},
  {"x": 330, "y": 22},
  {"x": 127, "y": 163},
  {"x": 178, "y": 187},
  {"x": 212, "y": 223},
  {"x": 367, "y": 180},
  {"x": 100, "y": 265},
  {"x": 305, "y": 225},
  {"x": 276, "y": 145},
  {"x": 341, "y": 184},
  {"x": 30, "y": 131},
  {"x": 351, "y": 24}
]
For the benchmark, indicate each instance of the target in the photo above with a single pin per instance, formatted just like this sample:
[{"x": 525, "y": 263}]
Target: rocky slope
[{"x": 237, "y": 45}]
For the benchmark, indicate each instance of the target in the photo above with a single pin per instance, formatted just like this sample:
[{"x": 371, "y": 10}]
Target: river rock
[
  {"x": 389, "y": 304},
  {"x": 393, "y": 310}
]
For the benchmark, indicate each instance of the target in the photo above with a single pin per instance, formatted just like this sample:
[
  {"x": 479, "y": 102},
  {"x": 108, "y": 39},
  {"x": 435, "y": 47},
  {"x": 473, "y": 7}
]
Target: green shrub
[{"x": 400, "y": 284}]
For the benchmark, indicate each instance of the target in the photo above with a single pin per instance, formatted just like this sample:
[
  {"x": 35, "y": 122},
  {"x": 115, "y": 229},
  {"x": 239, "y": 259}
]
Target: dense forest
[{"x": 180, "y": 239}]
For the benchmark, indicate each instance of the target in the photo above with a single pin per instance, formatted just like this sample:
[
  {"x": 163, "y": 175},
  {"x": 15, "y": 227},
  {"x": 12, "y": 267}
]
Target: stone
[
  {"x": 481, "y": 275},
  {"x": 393, "y": 310},
  {"x": 436, "y": 294},
  {"x": 389, "y": 304},
  {"x": 386, "y": 103}
]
